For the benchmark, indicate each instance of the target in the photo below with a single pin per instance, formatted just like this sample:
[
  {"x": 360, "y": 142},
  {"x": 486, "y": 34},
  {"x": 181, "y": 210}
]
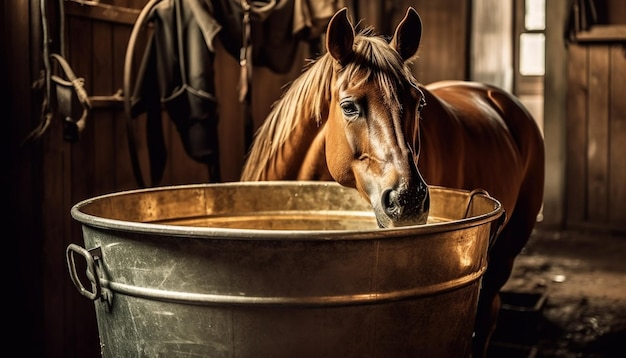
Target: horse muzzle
[{"x": 403, "y": 206}]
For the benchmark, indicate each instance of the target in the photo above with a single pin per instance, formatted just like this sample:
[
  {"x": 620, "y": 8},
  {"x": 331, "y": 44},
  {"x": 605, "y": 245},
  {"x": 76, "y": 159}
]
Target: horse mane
[
  {"x": 304, "y": 98},
  {"x": 307, "y": 97}
]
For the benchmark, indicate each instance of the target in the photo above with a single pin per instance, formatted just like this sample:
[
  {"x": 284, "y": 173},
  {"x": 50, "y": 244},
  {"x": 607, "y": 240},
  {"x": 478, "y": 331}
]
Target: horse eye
[{"x": 350, "y": 108}]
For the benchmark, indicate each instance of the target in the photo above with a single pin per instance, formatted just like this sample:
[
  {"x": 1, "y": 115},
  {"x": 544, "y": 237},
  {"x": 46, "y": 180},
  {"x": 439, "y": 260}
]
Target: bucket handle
[
  {"x": 496, "y": 226},
  {"x": 90, "y": 257},
  {"x": 470, "y": 198}
]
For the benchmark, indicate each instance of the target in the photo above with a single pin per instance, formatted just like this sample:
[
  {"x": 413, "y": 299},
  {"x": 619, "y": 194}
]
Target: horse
[{"x": 358, "y": 116}]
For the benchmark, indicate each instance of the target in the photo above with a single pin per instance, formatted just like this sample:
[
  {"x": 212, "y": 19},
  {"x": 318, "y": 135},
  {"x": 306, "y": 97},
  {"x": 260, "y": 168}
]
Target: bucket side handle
[
  {"x": 496, "y": 226},
  {"x": 90, "y": 257}
]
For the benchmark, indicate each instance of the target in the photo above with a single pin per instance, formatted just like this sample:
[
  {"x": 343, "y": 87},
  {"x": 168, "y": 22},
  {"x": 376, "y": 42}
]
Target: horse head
[{"x": 373, "y": 119}]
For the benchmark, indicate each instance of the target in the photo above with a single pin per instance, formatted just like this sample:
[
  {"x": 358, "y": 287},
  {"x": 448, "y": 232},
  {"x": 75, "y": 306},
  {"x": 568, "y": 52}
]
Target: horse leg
[
  {"x": 508, "y": 245},
  {"x": 499, "y": 269},
  {"x": 486, "y": 316}
]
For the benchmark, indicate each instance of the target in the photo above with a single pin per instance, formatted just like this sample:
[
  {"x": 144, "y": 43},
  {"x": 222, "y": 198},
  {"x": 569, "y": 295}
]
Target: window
[{"x": 529, "y": 32}]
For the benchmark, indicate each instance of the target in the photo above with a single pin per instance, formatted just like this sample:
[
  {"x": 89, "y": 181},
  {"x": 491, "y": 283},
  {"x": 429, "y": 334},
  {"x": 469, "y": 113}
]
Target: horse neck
[
  {"x": 284, "y": 142},
  {"x": 302, "y": 156},
  {"x": 437, "y": 144}
]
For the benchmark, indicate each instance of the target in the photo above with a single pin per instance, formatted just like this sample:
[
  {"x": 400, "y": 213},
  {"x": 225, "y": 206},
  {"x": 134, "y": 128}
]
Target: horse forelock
[{"x": 375, "y": 61}]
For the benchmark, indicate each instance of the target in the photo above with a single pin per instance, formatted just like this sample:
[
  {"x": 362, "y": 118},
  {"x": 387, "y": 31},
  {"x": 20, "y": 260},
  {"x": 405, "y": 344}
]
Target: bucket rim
[{"x": 271, "y": 234}]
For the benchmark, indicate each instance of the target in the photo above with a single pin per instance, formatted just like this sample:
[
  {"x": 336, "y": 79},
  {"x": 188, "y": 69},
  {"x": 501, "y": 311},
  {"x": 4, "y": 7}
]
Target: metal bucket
[{"x": 280, "y": 269}]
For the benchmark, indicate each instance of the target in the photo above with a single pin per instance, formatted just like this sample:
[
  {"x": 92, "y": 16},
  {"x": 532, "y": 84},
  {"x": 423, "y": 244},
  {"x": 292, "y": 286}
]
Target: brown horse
[{"x": 358, "y": 116}]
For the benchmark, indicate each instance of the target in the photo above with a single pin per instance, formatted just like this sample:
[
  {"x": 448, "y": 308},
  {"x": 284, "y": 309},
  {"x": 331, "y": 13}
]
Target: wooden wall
[
  {"x": 46, "y": 177},
  {"x": 444, "y": 49},
  {"x": 555, "y": 99},
  {"x": 595, "y": 174},
  {"x": 445, "y": 45},
  {"x": 596, "y": 133}
]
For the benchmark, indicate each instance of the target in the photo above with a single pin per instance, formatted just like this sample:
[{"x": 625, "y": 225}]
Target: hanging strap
[
  {"x": 72, "y": 128},
  {"x": 260, "y": 11},
  {"x": 245, "y": 53},
  {"x": 128, "y": 63},
  {"x": 182, "y": 61},
  {"x": 46, "y": 113},
  {"x": 245, "y": 75}
]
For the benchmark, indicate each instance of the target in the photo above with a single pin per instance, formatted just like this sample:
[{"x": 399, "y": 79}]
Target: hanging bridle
[{"x": 59, "y": 89}]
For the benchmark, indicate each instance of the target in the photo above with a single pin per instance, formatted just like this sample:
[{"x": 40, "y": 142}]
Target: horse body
[
  {"x": 478, "y": 136},
  {"x": 357, "y": 116}
]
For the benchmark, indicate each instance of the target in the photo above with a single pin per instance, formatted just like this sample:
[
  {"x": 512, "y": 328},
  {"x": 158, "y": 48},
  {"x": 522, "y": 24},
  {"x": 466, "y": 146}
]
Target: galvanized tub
[{"x": 280, "y": 269}]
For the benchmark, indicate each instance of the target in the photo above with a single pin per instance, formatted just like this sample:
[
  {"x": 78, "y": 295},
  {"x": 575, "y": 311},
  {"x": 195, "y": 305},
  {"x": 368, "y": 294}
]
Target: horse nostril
[{"x": 389, "y": 201}]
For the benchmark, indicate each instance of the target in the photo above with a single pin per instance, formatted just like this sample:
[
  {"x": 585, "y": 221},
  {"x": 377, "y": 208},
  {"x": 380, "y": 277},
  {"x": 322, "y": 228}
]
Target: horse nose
[
  {"x": 405, "y": 200},
  {"x": 400, "y": 205}
]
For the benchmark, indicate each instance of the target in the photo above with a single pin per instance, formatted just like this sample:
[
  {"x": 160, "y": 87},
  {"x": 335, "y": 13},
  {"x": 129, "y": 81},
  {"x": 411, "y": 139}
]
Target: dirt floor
[{"x": 566, "y": 297}]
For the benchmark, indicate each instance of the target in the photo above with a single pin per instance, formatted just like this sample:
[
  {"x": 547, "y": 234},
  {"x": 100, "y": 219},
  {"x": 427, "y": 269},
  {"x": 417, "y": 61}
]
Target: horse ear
[
  {"x": 406, "y": 39},
  {"x": 340, "y": 37}
]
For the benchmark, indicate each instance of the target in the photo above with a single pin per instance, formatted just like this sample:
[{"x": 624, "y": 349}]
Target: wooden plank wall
[
  {"x": 444, "y": 48},
  {"x": 596, "y": 136}
]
